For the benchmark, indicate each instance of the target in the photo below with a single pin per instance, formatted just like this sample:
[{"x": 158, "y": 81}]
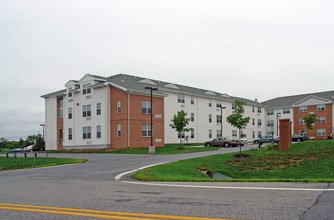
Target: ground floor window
[
  {"x": 98, "y": 131},
  {"x": 321, "y": 132},
  {"x": 146, "y": 130},
  {"x": 86, "y": 132},
  {"x": 119, "y": 129}
]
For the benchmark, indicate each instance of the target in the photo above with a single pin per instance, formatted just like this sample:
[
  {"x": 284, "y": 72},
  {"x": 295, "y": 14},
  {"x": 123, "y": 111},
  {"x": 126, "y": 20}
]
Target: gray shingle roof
[{"x": 288, "y": 101}]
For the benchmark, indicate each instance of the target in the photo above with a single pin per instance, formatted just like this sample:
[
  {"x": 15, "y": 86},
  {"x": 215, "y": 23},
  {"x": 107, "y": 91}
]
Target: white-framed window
[
  {"x": 270, "y": 123},
  {"x": 86, "y": 132},
  {"x": 219, "y": 133},
  {"x": 180, "y": 135},
  {"x": 86, "y": 110},
  {"x": 180, "y": 99},
  {"x": 61, "y": 108},
  {"x": 253, "y": 108},
  {"x": 259, "y": 122},
  {"x": 70, "y": 134},
  {"x": 301, "y": 121},
  {"x": 259, "y": 109},
  {"x": 98, "y": 108},
  {"x": 210, "y": 104},
  {"x": 192, "y": 116},
  {"x": 303, "y": 109},
  {"x": 218, "y": 104},
  {"x": 70, "y": 92},
  {"x": 192, "y": 133},
  {"x": 146, "y": 130},
  {"x": 286, "y": 110},
  {"x": 270, "y": 112},
  {"x": 234, "y": 106},
  {"x": 210, "y": 133},
  {"x": 219, "y": 119},
  {"x": 234, "y": 133},
  {"x": 119, "y": 130},
  {"x": 146, "y": 107},
  {"x": 192, "y": 100},
  {"x": 253, "y": 121},
  {"x": 259, "y": 134},
  {"x": 210, "y": 118},
  {"x": 321, "y": 107},
  {"x": 253, "y": 134},
  {"x": 321, "y": 132},
  {"x": 69, "y": 113},
  {"x": 118, "y": 106},
  {"x": 98, "y": 131},
  {"x": 86, "y": 88},
  {"x": 321, "y": 119}
]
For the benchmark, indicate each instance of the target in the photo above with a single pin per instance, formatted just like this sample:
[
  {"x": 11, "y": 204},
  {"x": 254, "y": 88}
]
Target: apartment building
[
  {"x": 296, "y": 108},
  {"x": 115, "y": 112}
]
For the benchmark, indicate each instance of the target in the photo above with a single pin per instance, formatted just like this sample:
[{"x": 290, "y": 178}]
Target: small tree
[
  {"x": 309, "y": 121},
  {"x": 237, "y": 119},
  {"x": 179, "y": 123}
]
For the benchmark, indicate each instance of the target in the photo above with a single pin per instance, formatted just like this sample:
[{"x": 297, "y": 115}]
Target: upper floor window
[
  {"x": 270, "y": 112},
  {"x": 253, "y": 108},
  {"x": 210, "y": 104},
  {"x": 192, "y": 100},
  {"x": 70, "y": 92},
  {"x": 119, "y": 130},
  {"x": 303, "y": 109},
  {"x": 61, "y": 108},
  {"x": 321, "y": 119},
  {"x": 210, "y": 118},
  {"x": 146, "y": 107},
  {"x": 98, "y": 108},
  {"x": 118, "y": 106},
  {"x": 234, "y": 106},
  {"x": 218, "y": 104},
  {"x": 286, "y": 110},
  {"x": 180, "y": 99},
  {"x": 321, "y": 107},
  {"x": 69, "y": 113},
  {"x": 219, "y": 119},
  {"x": 259, "y": 122},
  {"x": 259, "y": 109},
  {"x": 270, "y": 123},
  {"x": 301, "y": 121},
  {"x": 86, "y": 88},
  {"x": 86, "y": 110}
]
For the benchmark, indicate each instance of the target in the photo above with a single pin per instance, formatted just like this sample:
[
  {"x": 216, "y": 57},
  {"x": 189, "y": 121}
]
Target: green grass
[
  {"x": 13, "y": 163},
  {"x": 310, "y": 161},
  {"x": 167, "y": 149}
]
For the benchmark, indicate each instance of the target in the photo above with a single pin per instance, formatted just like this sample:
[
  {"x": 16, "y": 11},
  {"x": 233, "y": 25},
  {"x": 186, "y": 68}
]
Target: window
[
  {"x": 210, "y": 133},
  {"x": 219, "y": 119},
  {"x": 218, "y": 104},
  {"x": 259, "y": 122},
  {"x": 180, "y": 135},
  {"x": 192, "y": 100},
  {"x": 192, "y": 116},
  {"x": 210, "y": 104},
  {"x": 146, "y": 107},
  {"x": 253, "y": 108},
  {"x": 219, "y": 133},
  {"x": 321, "y": 132},
  {"x": 270, "y": 123},
  {"x": 234, "y": 133},
  {"x": 259, "y": 134},
  {"x": 210, "y": 118},
  {"x": 146, "y": 130},
  {"x": 61, "y": 111},
  {"x": 321, "y": 119},
  {"x": 234, "y": 106},
  {"x": 270, "y": 112},
  {"x": 180, "y": 99},
  {"x": 253, "y": 121},
  {"x": 259, "y": 110},
  {"x": 321, "y": 107},
  {"x": 86, "y": 88},
  {"x": 86, "y": 110},
  {"x": 301, "y": 121},
  {"x": 253, "y": 134},
  {"x": 119, "y": 129},
  {"x": 70, "y": 92},
  {"x": 70, "y": 134},
  {"x": 98, "y": 131},
  {"x": 69, "y": 113},
  {"x": 86, "y": 132},
  {"x": 118, "y": 106},
  {"x": 303, "y": 109},
  {"x": 98, "y": 108},
  {"x": 286, "y": 110},
  {"x": 192, "y": 133}
]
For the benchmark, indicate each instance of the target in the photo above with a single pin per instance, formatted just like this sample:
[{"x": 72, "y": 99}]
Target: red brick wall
[
  {"x": 131, "y": 114},
  {"x": 313, "y": 108}
]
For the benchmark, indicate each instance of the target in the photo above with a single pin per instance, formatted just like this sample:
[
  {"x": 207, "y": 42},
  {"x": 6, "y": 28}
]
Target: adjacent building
[
  {"x": 296, "y": 108},
  {"x": 115, "y": 112}
]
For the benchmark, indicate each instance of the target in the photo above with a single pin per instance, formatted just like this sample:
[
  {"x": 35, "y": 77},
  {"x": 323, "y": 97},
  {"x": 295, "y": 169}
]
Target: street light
[
  {"x": 43, "y": 125},
  {"x": 221, "y": 122},
  {"x": 151, "y": 90},
  {"x": 278, "y": 114}
]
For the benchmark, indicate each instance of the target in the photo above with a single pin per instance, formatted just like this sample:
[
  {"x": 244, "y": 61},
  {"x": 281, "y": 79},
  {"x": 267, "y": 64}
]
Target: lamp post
[
  {"x": 151, "y": 150},
  {"x": 221, "y": 122},
  {"x": 43, "y": 125},
  {"x": 278, "y": 114}
]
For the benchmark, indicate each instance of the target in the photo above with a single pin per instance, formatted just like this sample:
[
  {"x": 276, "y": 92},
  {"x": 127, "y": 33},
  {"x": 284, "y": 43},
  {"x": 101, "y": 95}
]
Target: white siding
[{"x": 51, "y": 123}]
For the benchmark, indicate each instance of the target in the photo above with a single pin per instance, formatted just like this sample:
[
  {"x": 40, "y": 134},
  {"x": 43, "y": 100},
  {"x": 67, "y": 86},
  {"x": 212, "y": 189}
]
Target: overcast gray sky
[{"x": 248, "y": 48}]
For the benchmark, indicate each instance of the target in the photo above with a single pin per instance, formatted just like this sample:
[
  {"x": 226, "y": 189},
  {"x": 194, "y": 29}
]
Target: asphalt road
[{"x": 77, "y": 191}]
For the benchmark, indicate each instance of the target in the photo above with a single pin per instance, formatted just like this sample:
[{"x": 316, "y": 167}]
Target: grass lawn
[
  {"x": 12, "y": 163},
  {"x": 167, "y": 149},
  {"x": 309, "y": 161}
]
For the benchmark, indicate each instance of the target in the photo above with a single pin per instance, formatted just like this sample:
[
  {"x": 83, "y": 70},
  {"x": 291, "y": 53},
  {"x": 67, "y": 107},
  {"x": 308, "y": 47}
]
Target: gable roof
[{"x": 288, "y": 101}]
